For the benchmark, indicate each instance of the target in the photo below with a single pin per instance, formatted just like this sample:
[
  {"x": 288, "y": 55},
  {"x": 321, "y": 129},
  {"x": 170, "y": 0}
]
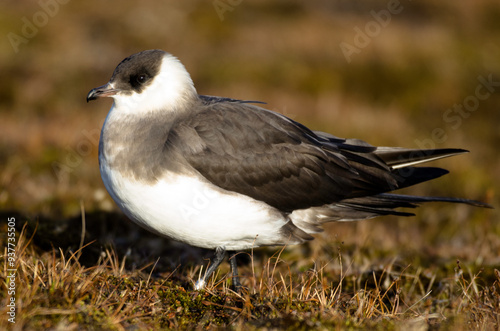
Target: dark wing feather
[
  {"x": 398, "y": 157},
  {"x": 210, "y": 99},
  {"x": 264, "y": 155}
]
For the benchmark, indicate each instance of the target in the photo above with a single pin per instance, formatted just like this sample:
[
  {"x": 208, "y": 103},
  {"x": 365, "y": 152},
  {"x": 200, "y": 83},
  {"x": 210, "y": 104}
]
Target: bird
[{"x": 229, "y": 175}]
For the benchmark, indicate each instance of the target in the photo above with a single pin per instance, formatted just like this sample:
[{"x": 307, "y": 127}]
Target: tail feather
[
  {"x": 410, "y": 176},
  {"x": 397, "y": 157},
  {"x": 356, "y": 209},
  {"x": 400, "y": 199},
  {"x": 385, "y": 169}
]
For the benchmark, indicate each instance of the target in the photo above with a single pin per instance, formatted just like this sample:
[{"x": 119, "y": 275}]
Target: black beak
[{"x": 101, "y": 91}]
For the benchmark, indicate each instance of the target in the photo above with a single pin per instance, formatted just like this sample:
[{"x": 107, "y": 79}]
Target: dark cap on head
[{"x": 132, "y": 74}]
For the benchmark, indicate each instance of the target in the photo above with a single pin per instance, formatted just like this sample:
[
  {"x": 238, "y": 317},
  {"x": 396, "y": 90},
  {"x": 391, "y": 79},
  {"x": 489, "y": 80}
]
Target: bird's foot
[{"x": 200, "y": 285}]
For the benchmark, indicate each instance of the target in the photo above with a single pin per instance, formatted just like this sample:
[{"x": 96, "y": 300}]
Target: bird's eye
[
  {"x": 141, "y": 78},
  {"x": 138, "y": 80}
]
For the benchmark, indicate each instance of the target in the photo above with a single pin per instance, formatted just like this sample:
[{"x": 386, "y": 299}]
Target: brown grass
[{"x": 95, "y": 285}]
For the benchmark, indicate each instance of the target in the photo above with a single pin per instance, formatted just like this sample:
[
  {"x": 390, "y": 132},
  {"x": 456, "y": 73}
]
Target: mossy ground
[{"x": 119, "y": 285}]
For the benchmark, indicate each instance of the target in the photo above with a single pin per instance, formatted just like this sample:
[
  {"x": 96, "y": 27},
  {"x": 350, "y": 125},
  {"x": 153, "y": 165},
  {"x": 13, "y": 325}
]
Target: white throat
[{"x": 171, "y": 89}]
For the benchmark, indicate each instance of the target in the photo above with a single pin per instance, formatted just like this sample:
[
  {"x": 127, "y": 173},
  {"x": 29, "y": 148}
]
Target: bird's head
[{"x": 151, "y": 80}]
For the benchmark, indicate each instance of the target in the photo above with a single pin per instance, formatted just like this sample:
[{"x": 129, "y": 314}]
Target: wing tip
[{"x": 411, "y": 157}]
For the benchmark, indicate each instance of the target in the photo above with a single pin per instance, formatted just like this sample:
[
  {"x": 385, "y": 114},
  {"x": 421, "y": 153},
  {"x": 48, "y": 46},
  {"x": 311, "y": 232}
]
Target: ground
[{"x": 395, "y": 73}]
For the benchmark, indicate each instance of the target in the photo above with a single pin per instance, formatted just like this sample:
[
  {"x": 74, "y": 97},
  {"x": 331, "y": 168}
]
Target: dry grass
[
  {"x": 95, "y": 285},
  {"x": 437, "y": 270}
]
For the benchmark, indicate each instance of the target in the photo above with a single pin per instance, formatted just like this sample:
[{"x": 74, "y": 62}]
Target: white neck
[{"x": 169, "y": 91}]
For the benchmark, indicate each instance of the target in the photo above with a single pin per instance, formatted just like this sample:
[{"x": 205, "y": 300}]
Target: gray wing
[
  {"x": 266, "y": 156},
  {"x": 210, "y": 99}
]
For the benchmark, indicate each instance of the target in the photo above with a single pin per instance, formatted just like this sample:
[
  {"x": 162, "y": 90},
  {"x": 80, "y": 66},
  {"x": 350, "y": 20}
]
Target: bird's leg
[
  {"x": 234, "y": 269},
  {"x": 220, "y": 253}
]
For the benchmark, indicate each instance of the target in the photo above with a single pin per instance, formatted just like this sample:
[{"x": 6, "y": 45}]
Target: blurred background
[{"x": 396, "y": 73}]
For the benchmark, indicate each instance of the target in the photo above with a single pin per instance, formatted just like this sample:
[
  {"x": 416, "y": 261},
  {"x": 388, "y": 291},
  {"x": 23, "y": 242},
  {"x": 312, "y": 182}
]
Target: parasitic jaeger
[{"x": 224, "y": 174}]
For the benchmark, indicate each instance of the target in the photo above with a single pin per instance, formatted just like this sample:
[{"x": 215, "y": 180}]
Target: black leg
[
  {"x": 234, "y": 269},
  {"x": 220, "y": 253}
]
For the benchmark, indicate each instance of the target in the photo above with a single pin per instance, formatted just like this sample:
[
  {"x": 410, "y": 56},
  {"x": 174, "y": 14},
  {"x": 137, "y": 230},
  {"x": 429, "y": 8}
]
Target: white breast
[{"x": 195, "y": 212}]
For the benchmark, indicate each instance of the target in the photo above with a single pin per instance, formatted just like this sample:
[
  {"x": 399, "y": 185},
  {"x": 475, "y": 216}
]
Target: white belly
[{"x": 195, "y": 212}]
